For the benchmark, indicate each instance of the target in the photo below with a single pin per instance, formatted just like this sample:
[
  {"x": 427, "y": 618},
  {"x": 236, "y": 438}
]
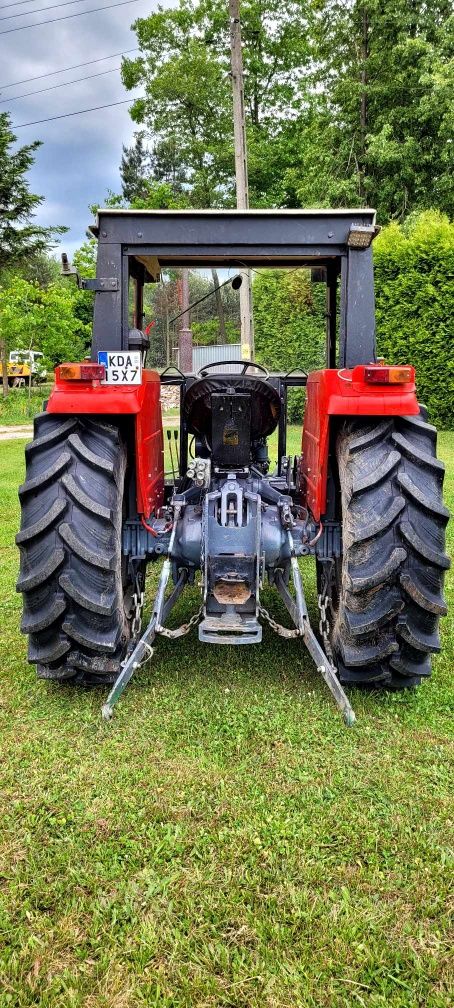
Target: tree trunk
[
  {"x": 185, "y": 334},
  {"x": 222, "y": 335},
  {"x": 363, "y": 102},
  {"x": 4, "y": 365}
]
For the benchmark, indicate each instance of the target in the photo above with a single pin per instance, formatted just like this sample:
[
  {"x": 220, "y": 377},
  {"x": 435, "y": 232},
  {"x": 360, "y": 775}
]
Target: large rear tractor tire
[
  {"x": 76, "y": 590},
  {"x": 388, "y": 590}
]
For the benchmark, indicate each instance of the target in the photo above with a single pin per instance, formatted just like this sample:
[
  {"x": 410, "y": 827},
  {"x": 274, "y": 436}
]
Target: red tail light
[
  {"x": 82, "y": 372},
  {"x": 378, "y": 375}
]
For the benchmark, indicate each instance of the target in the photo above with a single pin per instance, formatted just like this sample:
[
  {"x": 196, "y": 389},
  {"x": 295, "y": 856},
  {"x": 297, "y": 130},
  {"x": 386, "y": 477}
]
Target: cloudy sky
[{"x": 79, "y": 158}]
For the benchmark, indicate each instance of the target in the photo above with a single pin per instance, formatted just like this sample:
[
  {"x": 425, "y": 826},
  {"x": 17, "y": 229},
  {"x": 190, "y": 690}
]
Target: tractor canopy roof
[{"x": 135, "y": 245}]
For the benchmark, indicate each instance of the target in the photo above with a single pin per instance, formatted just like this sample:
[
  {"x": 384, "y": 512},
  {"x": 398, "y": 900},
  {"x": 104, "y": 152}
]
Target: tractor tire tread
[
  {"x": 382, "y": 571},
  {"x": 94, "y": 458},
  {"x": 79, "y": 631},
  {"x": 74, "y": 589},
  {"x": 374, "y": 528},
  {"x": 420, "y": 497},
  {"x": 371, "y": 437},
  {"x": 57, "y": 433},
  {"x": 58, "y": 674},
  {"x": 96, "y": 557},
  {"x": 47, "y": 652},
  {"x": 390, "y": 591},
  {"x": 417, "y": 425},
  {"x": 32, "y": 621},
  {"x": 421, "y": 595},
  {"x": 437, "y": 558},
  {"x": 376, "y": 475},
  {"x": 37, "y": 577},
  {"x": 103, "y": 604},
  {"x": 44, "y": 522},
  {"x": 84, "y": 499},
  {"x": 384, "y": 606},
  {"x": 412, "y": 452},
  {"x": 49, "y": 475}
]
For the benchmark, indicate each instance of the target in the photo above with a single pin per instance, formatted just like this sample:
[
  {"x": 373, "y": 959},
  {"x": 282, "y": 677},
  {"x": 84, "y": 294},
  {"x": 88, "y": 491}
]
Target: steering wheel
[{"x": 246, "y": 364}]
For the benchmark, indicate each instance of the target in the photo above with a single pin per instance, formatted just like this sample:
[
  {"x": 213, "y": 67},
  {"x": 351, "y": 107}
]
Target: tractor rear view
[{"x": 364, "y": 497}]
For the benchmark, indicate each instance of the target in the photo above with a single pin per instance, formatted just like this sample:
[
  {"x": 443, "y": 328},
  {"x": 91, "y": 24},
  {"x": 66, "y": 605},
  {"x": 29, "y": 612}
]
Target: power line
[
  {"x": 93, "y": 10},
  {"x": 75, "y": 66},
  {"x": 54, "y": 86},
  {"x": 69, "y": 3},
  {"x": 66, "y": 115},
  {"x": 19, "y": 3}
]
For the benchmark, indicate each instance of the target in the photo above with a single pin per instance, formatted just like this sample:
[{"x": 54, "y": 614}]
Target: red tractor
[{"x": 364, "y": 497}]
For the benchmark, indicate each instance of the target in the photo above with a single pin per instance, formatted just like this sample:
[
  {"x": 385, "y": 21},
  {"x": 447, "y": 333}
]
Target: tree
[
  {"x": 381, "y": 121},
  {"x": 289, "y": 316},
  {"x": 40, "y": 268},
  {"x": 290, "y": 319},
  {"x": 347, "y": 101},
  {"x": 141, "y": 170},
  {"x": 20, "y": 237},
  {"x": 84, "y": 258},
  {"x": 184, "y": 66},
  {"x": 134, "y": 168},
  {"x": 44, "y": 318}
]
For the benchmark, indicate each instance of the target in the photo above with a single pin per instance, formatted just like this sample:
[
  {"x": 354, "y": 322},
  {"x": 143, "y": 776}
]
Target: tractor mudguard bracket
[{"x": 101, "y": 285}]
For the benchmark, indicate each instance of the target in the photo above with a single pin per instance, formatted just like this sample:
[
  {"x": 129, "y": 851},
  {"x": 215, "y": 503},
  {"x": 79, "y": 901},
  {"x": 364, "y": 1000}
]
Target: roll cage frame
[{"x": 136, "y": 244}]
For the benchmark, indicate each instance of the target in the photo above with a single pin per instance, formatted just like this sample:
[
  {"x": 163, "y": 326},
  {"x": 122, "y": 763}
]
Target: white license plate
[{"x": 122, "y": 367}]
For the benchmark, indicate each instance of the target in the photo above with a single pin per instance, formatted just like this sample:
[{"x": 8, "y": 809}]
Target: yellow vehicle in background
[{"x": 21, "y": 364}]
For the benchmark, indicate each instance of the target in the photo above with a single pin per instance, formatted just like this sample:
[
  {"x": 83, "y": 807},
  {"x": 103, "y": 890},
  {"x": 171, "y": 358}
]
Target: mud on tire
[
  {"x": 76, "y": 597},
  {"x": 390, "y": 585}
]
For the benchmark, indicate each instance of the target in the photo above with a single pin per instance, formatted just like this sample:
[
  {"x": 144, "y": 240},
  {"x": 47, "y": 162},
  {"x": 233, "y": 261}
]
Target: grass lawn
[
  {"x": 224, "y": 841},
  {"x": 15, "y": 408}
]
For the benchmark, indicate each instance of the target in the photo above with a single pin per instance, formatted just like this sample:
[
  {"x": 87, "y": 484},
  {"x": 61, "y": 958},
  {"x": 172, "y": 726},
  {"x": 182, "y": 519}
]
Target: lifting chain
[
  {"x": 137, "y": 606},
  {"x": 282, "y": 631},
  {"x": 182, "y": 630},
  {"x": 324, "y": 623}
]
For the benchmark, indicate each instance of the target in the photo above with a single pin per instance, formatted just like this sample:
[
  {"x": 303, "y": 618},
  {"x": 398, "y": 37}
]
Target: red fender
[
  {"x": 142, "y": 402},
  {"x": 341, "y": 393}
]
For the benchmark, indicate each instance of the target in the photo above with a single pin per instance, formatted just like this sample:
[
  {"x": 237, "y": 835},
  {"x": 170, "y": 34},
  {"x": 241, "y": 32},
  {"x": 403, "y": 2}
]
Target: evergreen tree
[
  {"x": 134, "y": 168},
  {"x": 20, "y": 237},
  {"x": 142, "y": 170}
]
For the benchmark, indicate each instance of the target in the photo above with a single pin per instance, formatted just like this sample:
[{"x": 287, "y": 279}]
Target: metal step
[{"x": 227, "y": 628}]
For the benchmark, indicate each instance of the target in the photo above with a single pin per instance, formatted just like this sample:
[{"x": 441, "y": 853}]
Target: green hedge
[
  {"x": 289, "y": 325},
  {"x": 414, "y": 273},
  {"x": 414, "y": 270},
  {"x": 206, "y": 333}
]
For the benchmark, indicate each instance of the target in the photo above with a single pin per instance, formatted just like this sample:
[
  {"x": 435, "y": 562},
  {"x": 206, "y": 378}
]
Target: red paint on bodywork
[
  {"x": 140, "y": 401},
  {"x": 341, "y": 393}
]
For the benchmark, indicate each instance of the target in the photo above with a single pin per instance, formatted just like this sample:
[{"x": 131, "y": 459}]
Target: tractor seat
[{"x": 265, "y": 403}]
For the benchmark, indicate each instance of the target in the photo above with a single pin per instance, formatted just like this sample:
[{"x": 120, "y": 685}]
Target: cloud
[{"x": 79, "y": 158}]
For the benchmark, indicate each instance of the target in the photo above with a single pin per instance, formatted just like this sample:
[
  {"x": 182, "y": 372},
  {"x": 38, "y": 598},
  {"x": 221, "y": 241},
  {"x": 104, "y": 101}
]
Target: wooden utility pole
[
  {"x": 222, "y": 336},
  {"x": 185, "y": 334},
  {"x": 242, "y": 191},
  {"x": 4, "y": 366}
]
